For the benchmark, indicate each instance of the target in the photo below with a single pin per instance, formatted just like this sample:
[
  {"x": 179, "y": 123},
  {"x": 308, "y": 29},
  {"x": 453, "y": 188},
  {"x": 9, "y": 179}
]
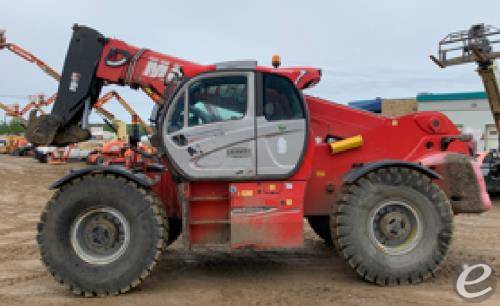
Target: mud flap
[{"x": 463, "y": 184}]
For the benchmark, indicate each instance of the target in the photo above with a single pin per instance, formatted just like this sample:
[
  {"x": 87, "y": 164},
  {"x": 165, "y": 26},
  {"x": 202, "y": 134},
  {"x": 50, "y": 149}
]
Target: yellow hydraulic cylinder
[{"x": 346, "y": 144}]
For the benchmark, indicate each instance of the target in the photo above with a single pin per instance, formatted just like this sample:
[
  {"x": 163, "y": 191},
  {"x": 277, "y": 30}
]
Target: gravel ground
[{"x": 314, "y": 275}]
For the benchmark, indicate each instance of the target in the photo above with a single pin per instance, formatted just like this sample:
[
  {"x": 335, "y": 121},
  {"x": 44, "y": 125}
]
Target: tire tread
[
  {"x": 395, "y": 176},
  {"x": 155, "y": 206}
]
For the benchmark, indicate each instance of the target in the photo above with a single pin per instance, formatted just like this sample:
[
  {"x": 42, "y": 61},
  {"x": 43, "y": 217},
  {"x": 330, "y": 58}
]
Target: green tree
[
  {"x": 142, "y": 130},
  {"x": 15, "y": 127},
  {"x": 4, "y": 128}
]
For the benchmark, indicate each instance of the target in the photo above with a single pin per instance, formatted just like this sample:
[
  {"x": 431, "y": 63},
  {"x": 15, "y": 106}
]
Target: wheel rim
[
  {"x": 395, "y": 227},
  {"x": 100, "y": 235}
]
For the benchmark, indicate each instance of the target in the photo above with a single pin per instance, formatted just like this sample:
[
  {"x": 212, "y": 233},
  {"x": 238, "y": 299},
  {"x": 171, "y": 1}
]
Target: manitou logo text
[{"x": 156, "y": 68}]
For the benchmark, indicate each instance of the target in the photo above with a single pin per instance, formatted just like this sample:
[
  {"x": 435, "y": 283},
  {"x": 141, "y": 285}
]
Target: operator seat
[{"x": 275, "y": 105}]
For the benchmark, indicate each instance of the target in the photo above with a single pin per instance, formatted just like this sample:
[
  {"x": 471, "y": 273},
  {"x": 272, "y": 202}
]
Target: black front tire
[
  {"x": 363, "y": 220},
  {"x": 146, "y": 226}
]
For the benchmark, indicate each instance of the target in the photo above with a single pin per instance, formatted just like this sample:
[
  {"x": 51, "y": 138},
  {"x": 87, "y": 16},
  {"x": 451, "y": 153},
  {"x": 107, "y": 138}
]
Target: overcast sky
[{"x": 366, "y": 48}]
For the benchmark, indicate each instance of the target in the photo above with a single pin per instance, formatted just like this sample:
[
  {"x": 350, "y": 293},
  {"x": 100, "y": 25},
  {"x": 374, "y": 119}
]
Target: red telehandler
[{"x": 245, "y": 156}]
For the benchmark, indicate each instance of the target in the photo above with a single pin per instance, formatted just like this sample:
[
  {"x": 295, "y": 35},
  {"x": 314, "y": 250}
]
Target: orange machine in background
[
  {"x": 118, "y": 150},
  {"x": 18, "y": 146}
]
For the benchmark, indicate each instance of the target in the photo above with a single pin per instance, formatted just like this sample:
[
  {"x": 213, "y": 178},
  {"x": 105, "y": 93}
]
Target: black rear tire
[
  {"x": 393, "y": 226},
  {"x": 321, "y": 226},
  {"x": 102, "y": 235}
]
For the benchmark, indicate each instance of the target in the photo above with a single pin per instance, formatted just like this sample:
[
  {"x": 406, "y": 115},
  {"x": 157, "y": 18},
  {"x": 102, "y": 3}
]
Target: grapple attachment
[
  {"x": 46, "y": 130},
  {"x": 79, "y": 88}
]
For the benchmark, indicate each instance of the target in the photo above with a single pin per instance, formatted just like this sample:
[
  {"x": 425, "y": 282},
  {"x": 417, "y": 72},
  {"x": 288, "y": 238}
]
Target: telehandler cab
[{"x": 245, "y": 157}]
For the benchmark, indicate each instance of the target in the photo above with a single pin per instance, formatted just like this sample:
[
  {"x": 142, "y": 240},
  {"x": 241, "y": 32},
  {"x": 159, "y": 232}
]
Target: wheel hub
[
  {"x": 395, "y": 226},
  {"x": 100, "y": 235}
]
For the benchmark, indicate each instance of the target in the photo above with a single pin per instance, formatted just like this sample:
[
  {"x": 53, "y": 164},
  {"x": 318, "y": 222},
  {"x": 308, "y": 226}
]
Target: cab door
[
  {"x": 281, "y": 127},
  {"x": 209, "y": 131}
]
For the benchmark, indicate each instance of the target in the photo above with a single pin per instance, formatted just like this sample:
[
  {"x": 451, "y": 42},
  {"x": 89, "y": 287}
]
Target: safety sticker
[{"x": 282, "y": 145}]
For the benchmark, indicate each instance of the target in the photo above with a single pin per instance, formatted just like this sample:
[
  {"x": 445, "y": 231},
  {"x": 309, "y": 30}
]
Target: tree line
[{"x": 13, "y": 127}]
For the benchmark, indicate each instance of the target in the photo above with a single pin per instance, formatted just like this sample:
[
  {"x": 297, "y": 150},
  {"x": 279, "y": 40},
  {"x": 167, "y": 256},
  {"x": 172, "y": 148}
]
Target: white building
[
  {"x": 469, "y": 111},
  {"x": 97, "y": 132}
]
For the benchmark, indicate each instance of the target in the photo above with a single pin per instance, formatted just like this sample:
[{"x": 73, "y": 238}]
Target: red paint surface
[{"x": 267, "y": 214}]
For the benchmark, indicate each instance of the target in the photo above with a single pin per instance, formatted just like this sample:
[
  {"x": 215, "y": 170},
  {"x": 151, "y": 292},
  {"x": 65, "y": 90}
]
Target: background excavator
[
  {"x": 246, "y": 155},
  {"x": 479, "y": 44}
]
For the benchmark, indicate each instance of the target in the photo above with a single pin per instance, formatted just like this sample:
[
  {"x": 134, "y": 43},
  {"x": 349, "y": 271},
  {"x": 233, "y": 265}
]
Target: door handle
[{"x": 180, "y": 140}]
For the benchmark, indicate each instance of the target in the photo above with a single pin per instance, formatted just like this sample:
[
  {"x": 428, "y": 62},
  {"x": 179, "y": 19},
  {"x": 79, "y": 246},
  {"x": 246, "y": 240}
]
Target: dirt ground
[{"x": 314, "y": 275}]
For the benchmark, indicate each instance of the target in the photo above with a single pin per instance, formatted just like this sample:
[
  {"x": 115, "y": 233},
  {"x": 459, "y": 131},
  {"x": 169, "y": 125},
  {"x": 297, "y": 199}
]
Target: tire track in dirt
[{"x": 314, "y": 275}]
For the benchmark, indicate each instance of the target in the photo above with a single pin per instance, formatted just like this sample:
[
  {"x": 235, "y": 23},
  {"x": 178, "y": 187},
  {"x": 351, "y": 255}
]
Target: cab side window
[
  {"x": 281, "y": 99},
  {"x": 217, "y": 99}
]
